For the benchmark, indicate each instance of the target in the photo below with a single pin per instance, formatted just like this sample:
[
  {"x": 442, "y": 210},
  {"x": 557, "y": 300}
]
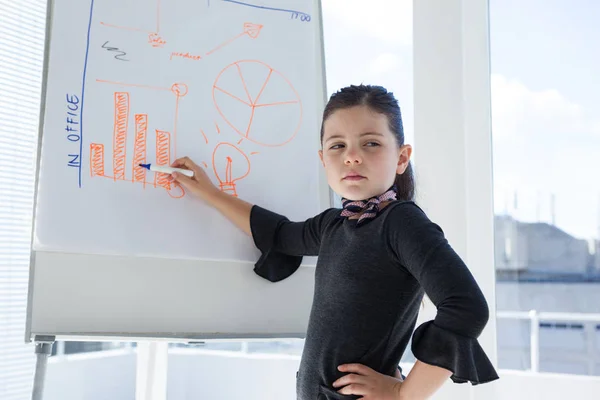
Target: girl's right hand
[
  {"x": 200, "y": 184},
  {"x": 236, "y": 210}
]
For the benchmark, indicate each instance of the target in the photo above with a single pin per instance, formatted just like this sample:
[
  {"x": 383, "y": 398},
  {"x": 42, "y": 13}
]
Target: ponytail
[{"x": 405, "y": 184}]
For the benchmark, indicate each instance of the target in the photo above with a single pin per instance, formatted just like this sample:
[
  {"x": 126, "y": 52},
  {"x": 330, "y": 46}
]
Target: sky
[{"x": 545, "y": 131}]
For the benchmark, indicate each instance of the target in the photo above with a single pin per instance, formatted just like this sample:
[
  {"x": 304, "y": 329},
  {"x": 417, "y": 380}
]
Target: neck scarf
[{"x": 369, "y": 208}]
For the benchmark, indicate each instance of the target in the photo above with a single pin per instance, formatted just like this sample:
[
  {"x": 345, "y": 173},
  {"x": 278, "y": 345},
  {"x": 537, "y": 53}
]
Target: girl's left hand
[{"x": 368, "y": 383}]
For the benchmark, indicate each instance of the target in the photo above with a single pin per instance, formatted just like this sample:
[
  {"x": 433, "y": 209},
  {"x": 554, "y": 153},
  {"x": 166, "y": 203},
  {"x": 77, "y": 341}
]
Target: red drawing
[
  {"x": 139, "y": 148},
  {"x": 204, "y": 135},
  {"x": 136, "y": 85},
  {"x": 180, "y": 90},
  {"x": 120, "y": 134},
  {"x": 250, "y": 29},
  {"x": 230, "y": 164},
  {"x": 97, "y": 159},
  {"x": 163, "y": 151},
  {"x": 155, "y": 40},
  {"x": 252, "y": 97},
  {"x": 165, "y": 143},
  {"x": 153, "y": 35},
  {"x": 186, "y": 55}
]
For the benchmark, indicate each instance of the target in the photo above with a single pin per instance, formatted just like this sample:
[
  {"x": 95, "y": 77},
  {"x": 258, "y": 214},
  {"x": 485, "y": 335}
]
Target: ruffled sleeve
[
  {"x": 450, "y": 340},
  {"x": 283, "y": 243},
  {"x": 460, "y": 354}
]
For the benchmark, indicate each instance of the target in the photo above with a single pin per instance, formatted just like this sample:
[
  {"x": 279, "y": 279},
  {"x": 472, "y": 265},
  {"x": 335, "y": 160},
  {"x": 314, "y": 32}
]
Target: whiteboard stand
[
  {"x": 43, "y": 349},
  {"x": 151, "y": 374},
  {"x": 151, "y": 371}
]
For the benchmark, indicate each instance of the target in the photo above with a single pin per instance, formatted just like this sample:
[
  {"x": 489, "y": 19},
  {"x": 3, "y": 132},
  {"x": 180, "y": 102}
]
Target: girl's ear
[
  {"x": 321, "y": 157},
  {"x": 404, "y": 154}
]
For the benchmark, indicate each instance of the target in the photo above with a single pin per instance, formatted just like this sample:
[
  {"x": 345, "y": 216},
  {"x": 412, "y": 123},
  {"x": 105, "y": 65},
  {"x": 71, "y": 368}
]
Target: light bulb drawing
[{"x": 230, "y": 164}]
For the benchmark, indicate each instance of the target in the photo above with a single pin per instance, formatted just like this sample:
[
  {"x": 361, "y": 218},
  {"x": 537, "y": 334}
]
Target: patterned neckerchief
[{"x": 369, "y": 208}]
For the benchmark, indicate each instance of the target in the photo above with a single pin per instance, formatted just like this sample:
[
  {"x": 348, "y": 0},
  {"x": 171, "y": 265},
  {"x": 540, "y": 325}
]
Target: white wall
[
  {"x": 93, "y": 376},
  {"x": 212, "y": 376},
  {"x": 522, "y": 385}
]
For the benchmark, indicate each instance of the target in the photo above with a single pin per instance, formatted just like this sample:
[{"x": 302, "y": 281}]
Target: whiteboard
[{"x": 117, "y": 250}]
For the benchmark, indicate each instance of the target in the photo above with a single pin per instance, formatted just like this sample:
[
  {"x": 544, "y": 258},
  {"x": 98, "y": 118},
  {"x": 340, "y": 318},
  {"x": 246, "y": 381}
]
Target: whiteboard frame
[{"x": 286, "y": 318}]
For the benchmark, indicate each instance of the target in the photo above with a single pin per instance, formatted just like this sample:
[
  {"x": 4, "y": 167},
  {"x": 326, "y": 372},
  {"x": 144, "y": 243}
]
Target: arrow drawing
[{"x": 250, "y": 29}]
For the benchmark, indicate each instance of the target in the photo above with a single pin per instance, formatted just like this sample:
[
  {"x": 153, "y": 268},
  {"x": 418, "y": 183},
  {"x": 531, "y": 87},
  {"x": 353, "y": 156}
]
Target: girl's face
[{"x": 360, "y": 154}]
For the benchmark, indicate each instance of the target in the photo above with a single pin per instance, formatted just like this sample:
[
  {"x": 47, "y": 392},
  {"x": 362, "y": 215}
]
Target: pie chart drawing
[{"x": 258, "y": 102}]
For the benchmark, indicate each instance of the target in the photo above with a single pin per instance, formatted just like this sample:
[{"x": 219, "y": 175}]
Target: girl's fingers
[
  {"x": 177, "y": 163},
  {"x": 184, "y": 162},
  {"x": 349, "y": 379},
  {"x": 181, "y": 178},
  {"x": 360, "y": 390},
  {"x": 199, "y": 184}
]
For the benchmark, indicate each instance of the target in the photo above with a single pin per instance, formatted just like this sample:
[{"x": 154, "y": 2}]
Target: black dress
[{"x": 369, "y": 283}]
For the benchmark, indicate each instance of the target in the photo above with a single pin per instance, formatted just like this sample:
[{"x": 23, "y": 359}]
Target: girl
[{"x": 377, "y": 257}]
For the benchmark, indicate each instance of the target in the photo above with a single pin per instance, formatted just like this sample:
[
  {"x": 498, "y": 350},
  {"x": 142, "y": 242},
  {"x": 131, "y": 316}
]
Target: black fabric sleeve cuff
[
  {"x": 460, "y": 354},
  {"x": 272, "y": 265}
]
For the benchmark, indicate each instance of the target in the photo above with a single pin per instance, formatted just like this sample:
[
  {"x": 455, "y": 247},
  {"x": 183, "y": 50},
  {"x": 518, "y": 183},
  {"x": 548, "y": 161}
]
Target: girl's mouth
[{"x": 354, "y": 177}]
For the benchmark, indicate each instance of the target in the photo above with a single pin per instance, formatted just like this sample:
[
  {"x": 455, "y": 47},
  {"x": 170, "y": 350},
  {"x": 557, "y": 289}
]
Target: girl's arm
[
  {"x": 282, "y": 243},
  {"x": 450, "y": 340},
  {"x": 233, "y": 208},
  {"x": 423, "y": 381}
]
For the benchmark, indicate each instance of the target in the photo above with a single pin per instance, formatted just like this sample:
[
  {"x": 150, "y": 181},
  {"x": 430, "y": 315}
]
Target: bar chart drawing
[
  {"x": 139, "y": 148},
  {"x": 125, "y": 167}
]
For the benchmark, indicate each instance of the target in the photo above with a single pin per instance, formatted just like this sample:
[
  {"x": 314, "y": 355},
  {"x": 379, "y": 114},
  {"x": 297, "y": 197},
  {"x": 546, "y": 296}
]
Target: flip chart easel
[{"x": 121, "y": 253}]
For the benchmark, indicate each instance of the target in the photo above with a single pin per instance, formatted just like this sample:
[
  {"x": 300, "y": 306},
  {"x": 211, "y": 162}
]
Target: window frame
[{"x": 453, "y": 146}]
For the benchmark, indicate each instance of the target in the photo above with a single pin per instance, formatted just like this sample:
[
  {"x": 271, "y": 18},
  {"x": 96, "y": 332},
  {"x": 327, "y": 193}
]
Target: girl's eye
[
  {"x": 372, "y": 144},
  {"x": 336, "y": 146}
]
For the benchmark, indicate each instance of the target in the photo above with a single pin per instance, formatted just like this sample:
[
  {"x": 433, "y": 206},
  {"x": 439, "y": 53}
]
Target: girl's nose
[{"x": 352, "y": 157}]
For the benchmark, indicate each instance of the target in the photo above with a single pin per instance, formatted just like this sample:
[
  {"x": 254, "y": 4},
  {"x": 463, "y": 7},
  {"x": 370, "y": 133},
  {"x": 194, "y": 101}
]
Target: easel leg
[
  {"x": 43, "y": 349},
  {"x": 151, "y": 379}
]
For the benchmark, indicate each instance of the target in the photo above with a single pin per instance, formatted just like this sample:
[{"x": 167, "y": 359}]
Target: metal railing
[
  {"x": 536, "y": 317},
  {"x": 587, "y": 320}
]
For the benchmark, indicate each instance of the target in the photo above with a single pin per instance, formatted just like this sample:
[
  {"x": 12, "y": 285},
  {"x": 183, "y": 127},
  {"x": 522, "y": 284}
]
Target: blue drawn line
[
  {"x": 87, "y": 49},
  {"x": 264, "y": 7}
]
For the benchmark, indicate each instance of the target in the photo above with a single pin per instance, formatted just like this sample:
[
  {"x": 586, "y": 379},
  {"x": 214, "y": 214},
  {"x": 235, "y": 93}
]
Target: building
[{"x": 540, "y": 250}]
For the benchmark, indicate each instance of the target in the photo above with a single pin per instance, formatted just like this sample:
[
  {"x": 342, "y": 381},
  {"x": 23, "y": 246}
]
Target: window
[
  {"x": 22, "y": 35},
  {"x": 21, "y": 52},
  {"x": 371, "y": 44},
  {"x": 547, "y": 194}
]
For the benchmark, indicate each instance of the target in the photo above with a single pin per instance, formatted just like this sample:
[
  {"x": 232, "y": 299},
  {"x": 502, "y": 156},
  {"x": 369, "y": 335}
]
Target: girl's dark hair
[{"x": 379, "y": 100}]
